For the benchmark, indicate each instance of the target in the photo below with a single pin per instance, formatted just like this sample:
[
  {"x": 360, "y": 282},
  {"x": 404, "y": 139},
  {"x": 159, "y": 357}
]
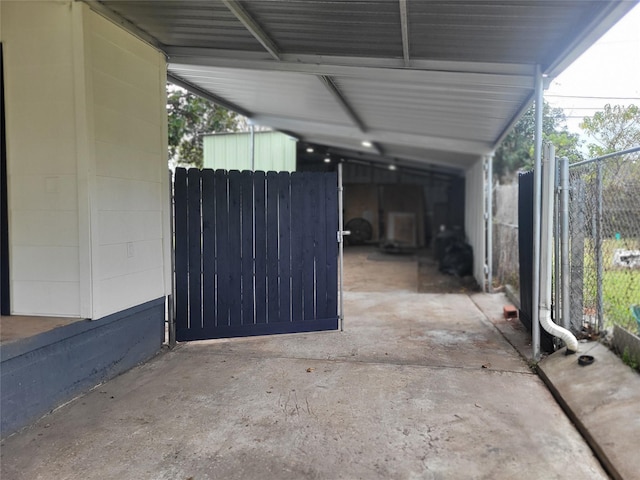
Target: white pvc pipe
[{"x": 546, "y": 254}]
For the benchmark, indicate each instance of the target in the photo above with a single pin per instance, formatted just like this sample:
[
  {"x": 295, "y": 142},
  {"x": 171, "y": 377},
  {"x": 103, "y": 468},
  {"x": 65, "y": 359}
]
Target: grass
[
  {"x": 620, "y": 287},
  {"x": 620, "y": 290}
]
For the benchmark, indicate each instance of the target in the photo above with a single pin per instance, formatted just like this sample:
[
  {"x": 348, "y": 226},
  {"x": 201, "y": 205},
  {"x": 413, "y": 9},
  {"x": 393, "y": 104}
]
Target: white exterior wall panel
[
  {"x": 129, "y": 109},
  {"x": 41, "y": 158},
  {"x": 87, "y": 162}
]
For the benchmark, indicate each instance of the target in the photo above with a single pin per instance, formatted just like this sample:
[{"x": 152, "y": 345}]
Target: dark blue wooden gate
[{"x": 255, "y": 253}]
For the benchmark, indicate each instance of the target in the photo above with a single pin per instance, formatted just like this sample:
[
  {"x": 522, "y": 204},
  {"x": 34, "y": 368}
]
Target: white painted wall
[
  {"x": 41, "y": 151},
  {"x": 127, "y": 82},
  {"x": 86, "y": 148},
  {"x": 474, "y": 217}
]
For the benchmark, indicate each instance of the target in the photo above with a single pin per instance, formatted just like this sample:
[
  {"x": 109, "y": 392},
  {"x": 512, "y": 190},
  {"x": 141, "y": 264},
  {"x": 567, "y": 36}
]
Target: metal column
[
  {"x": 537, "y": 197},
  {"x": 489, "y": 221},
  {"x": 598, "y": 249},
  {"x": 171, "y": 299}
]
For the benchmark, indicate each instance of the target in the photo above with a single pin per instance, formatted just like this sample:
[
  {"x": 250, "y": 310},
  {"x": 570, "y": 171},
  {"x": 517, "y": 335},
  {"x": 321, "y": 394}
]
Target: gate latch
[{"x": 342, "y": 234}]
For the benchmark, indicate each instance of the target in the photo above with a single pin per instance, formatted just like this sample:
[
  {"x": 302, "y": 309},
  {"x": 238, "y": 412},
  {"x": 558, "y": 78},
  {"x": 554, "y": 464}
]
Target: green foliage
[
  {"x": 629, "y": 359},
  {"x": 516, "y": 150},
  {"x": 190, "y": 117},
  {"x": 615, "y": 128}
]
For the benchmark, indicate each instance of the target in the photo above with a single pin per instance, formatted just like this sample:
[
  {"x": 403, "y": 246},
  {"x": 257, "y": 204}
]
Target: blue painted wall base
[{"x": 41, "y": 372}]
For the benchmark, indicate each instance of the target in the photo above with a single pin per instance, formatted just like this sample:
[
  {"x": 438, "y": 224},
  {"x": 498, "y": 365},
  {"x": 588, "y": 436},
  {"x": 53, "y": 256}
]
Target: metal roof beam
[
  {"x": 176, "y": 80},
  {"x": 342, "y": 101},
  {"x": 404, "y": 25},
  {"x": 212, "y": 56},
  {"x": 288, "y": 64},
  {"x": 254, "y": 28}
]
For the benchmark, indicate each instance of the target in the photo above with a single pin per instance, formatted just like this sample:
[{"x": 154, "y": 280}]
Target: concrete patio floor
[{"x": 417, "y": 386}]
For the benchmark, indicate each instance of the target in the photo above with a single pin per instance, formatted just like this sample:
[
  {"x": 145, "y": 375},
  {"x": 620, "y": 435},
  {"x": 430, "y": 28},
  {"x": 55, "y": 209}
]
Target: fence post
[
  {"x": 565, "y": 273},
  {"x": 598, "y": 246},
  {"x": 576, "y": 268}
]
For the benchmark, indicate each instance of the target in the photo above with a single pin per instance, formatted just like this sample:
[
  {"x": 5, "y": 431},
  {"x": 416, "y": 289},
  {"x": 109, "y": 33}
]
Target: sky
[{"x": 609, "y": 72}]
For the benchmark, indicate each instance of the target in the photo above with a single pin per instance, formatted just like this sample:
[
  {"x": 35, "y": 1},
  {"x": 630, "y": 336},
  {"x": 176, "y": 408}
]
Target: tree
[
  {"x": 615, "y": 128},
  {"x": 190, "y": 117},
  {"x": 517, "y": 149}
]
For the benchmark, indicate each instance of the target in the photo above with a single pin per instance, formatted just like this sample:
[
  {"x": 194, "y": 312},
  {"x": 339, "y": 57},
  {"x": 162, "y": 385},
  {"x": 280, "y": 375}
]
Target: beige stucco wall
[{"x": 86, "y": 150}]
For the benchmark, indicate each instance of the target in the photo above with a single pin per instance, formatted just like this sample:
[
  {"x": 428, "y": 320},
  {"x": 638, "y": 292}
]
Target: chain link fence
[
  {"x": 506, "y": 267},
  {"x": 604, "y": 243}
]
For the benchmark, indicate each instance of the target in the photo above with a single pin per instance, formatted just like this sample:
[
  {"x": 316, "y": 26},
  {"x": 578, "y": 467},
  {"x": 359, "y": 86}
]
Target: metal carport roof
[{"x": 432, "y": 81}]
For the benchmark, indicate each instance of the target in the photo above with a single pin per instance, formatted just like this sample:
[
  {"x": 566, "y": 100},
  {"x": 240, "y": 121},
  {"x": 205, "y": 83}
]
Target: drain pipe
[{"x": 546, "y": 249}]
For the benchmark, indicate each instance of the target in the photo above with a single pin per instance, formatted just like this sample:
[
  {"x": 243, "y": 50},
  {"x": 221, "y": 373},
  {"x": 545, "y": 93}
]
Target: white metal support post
[
  {"x": 171, "y": 300},
  {"x": 537, "y": 197},
  {"x": 489, "y": 222}
]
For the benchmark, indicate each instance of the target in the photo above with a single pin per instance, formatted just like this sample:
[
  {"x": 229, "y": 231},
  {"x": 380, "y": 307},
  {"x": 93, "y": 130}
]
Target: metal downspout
[{"x": 546, "y": 254}]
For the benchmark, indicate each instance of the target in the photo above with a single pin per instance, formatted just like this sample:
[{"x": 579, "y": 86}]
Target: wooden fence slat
[
  {"x": 308, "y": 276},
  {"x": 181, "y": 250},
  {"x": 247, "y": 207},
  {"x": 273, "y": 296},
  {"x": 284, "y": 266},
  {"x": 208, "y": 250},
  {"x": 222, "y": 246},
  {"x": 195, "y": 253},
  {"x": 260, "y": 246},
  {"x": 235, "y": 260},
  {"x": 332, "y": 227},
  {"x": 320, "y": 248},
  {"x": 297, "y": 216}
]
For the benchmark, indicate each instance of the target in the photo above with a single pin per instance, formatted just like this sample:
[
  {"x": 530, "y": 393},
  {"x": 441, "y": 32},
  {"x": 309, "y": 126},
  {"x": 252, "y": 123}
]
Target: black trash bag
[{"x": 458, "y": 259}]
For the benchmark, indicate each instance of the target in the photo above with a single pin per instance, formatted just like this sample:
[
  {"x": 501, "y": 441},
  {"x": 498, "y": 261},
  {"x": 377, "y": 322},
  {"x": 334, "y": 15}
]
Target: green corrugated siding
[{"x": 274, "y": 151}]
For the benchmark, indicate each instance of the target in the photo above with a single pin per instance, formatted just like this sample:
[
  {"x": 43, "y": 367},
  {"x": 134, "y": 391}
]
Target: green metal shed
[{"x": 273, "y": 151}]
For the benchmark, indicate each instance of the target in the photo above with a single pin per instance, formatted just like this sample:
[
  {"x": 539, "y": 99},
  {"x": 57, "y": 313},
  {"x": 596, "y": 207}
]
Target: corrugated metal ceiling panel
[
  {"x": 495, "y": 31},
  {"x": 455, "y": 112},
  {"x": 262, "y": 92},
  {"x": 200, "y": 23},
  {"x": 354, "y": 28},
  {"x": 425, "y": 155},
  {"x": 440, "y": 81}
]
